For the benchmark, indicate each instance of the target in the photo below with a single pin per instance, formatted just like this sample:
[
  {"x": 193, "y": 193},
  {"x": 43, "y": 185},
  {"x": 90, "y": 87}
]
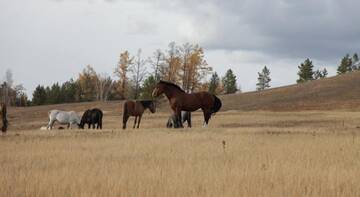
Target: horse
[
  {"x": 63, "y": 117},
  {"x": 4, "y": 121},
  {"x": 136, "y": 108},
  {"x": 92, "y": 117},
  {"x": 181, "y": 101},
  {"x": 185, "y": 117}
]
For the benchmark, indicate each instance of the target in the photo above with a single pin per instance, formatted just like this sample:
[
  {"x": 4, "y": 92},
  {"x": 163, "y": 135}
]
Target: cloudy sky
[{"x": 47, "y": 41}]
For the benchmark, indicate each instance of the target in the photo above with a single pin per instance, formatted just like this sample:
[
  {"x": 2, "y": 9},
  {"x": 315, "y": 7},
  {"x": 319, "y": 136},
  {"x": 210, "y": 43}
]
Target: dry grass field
[
  {"x": 309, "y": 153},
  {"x": 308, "y": 144}
]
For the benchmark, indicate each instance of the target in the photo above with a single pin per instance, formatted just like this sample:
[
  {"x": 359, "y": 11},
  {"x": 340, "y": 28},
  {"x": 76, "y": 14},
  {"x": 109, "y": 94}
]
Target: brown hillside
[{"x": 339, "y": 92}]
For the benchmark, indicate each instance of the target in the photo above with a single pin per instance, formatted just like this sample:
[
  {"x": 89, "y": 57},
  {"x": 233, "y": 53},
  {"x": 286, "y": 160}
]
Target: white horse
[{"x": 63, "y": 117}]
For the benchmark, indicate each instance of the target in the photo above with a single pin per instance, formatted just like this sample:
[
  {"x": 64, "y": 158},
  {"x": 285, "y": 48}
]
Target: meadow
[{"x": 258, "y": 153}]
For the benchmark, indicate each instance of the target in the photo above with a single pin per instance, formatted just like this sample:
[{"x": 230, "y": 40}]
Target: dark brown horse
[
  {"x": 181, "y": 101},
  {"x": 3, "y": 121},
  {"x": 136, "y": 108}
]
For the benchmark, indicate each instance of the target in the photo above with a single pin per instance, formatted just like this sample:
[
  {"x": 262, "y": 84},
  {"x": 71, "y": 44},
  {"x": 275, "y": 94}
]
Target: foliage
[
  {"x": 263, "y": 79},
  {"x": 305, "y": 71},
  {"x": 229, "y": 82}
]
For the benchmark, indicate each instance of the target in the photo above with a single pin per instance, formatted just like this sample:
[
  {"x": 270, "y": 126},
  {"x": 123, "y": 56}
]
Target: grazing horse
[
  {"x": 181, "y": 101},
  {"x": 136, "y": 108},
  {"x": 3, "y": 121},
  {"x": 63, "y": 117},
  {"x": 185, "y": 117},
  {"x": 92, "y": 117}
]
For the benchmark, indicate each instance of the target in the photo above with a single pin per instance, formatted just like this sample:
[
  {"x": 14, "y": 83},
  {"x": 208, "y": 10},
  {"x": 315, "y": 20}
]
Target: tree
[
  {"x": 121, "y": 71},
  {"x": 229, "y": 82},
  {"x": 172, "y": 63},
  {"x": 39, "y": 96},
  {"x": 157, "y": 62},
  {"x": 305, "y": 71},
  {"x": 263, "y": 79},
  {"x": 138, "y": 71},
  {"x": 214, "y": 84},
  {"x": 87, "y": 81},
  {"x": 148, "y": 87},
  {"x": 345, "y": 65},
  {"x": 319, "y": 74},
  {"x": 104, "y": 85},
  {"x": 355, "y": 62}
]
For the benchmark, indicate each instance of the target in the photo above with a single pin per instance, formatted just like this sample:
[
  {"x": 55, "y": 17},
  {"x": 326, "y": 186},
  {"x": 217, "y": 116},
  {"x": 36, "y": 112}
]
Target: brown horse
[
  {"x": 3, "y": 121},
  {"x": 181, "y": 101},
  {"x": 136, "y": 108}
]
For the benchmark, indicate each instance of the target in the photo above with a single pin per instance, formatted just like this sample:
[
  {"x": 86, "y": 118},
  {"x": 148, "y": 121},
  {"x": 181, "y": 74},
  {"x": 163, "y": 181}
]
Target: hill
[{"x": 339, "y": 92}]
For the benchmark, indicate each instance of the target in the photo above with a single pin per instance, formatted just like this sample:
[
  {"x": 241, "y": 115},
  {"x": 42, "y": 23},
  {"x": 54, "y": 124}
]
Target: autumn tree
[
  {"x": 87, "y": 81},
  {"x": 121, "y": 71},
  {"x": 172, "y": 63}
]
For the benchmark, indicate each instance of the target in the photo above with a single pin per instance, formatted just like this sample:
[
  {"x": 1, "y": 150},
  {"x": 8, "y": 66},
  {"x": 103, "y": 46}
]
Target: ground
[{"x": 254, "y": 153}]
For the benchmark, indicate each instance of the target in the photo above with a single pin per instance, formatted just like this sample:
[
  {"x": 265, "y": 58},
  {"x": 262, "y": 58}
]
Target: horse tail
[{"x": 217, "y": 105}]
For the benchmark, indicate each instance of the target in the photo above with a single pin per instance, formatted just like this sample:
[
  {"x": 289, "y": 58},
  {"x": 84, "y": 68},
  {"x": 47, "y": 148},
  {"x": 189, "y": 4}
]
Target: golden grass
[{"x": 265, "y": 154}]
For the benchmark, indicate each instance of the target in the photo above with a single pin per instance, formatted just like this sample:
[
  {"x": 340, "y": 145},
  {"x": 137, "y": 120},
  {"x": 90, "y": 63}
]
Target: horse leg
[
  {"x": 93, "y": 124},
  {"x": 139, "y": 121},
  {"x": 125, "y": 119},
  {"x": 207, "y": 116},
  {"x": 51, "y": 124},
  {"x": 68, "y": 125},
  {"x": 189, "y": 120},
  {"x": 135, "y": 122},
  {"x": 178, "y": 118}
]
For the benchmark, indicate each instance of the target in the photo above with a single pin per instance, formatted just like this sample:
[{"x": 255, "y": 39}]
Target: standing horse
[
  {"x": 136, "y": 108},
  {"x": 4, "y": 121},
  {"x": 181, "y": 101}
]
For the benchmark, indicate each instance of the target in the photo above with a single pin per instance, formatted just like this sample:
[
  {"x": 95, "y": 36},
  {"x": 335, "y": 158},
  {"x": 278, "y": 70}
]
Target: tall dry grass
[{"x": 265, "y": 154}]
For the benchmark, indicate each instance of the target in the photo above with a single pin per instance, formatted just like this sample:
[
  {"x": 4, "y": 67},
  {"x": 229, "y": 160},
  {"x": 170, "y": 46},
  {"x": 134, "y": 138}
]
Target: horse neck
[{"x": 170, "y": 93}]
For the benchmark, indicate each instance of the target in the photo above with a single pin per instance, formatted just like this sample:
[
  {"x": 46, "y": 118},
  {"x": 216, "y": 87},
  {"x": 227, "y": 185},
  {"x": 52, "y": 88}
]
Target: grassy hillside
[{"x": 339, "y": 92}]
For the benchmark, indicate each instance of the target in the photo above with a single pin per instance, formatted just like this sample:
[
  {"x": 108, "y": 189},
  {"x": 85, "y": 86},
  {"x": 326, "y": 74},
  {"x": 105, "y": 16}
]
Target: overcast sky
[{"x": 47, "y": 41}]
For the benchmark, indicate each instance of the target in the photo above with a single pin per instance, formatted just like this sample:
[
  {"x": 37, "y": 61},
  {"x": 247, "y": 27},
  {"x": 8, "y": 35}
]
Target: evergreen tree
[
  {"x": 229, "y": 82},
  {"x": 345, "y": 65},
  {"x": 306, "y": 72},
  {"x": 214, "y": 84},
  {"x": 39, "y": 96},
  {"x": 263, "y": 79},
  {"x": 319, "y": 74},
  {"x": 355, "y": 62},
  {"x": 148, "y": 87}
]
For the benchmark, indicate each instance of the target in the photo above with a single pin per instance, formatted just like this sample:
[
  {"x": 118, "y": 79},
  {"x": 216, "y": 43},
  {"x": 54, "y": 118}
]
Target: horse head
[{"x": 158, "y": 90}]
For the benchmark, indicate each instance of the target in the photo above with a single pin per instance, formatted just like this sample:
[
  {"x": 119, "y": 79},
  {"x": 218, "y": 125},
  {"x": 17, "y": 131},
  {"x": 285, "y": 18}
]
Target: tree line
[{"x": 136, "y": 77}]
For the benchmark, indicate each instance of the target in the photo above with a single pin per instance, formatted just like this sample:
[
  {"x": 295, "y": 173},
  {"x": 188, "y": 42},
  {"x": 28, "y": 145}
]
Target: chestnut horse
[
  {"x": 181, "y": 101},
  {"x": 4, "y": 121},
  {"x": 136, "y": 108}
]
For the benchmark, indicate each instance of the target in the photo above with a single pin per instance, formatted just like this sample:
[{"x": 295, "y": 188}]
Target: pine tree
[
  {"x": 263, "y": 79},
  {"x": 148, "y": 87},
  {"x": 39, "y": 96},
  {"x": 229, "y": 82},
  {"x": 214, "y": 84},
  {"x": 345, "y": 65},
  {"x": 305, "y": 71}
]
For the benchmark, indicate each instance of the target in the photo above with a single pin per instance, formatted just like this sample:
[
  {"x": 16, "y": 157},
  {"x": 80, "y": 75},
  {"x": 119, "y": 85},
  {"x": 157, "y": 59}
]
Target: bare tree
[
  {"x": 157, "y": 62},
  {"x": 138, "y": 71},
  {"x": 103, "y": 85}
]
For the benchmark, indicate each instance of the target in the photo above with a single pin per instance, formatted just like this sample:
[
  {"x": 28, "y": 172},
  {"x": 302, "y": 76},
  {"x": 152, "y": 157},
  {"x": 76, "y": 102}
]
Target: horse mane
[
  {"x": 172, "y": 85},
  {"x": 146, "y": 103}
]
